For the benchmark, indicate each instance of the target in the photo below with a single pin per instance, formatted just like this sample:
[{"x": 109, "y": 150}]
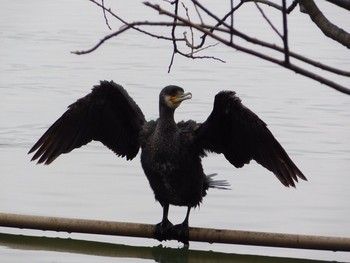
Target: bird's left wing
[
  {"x": 107, "y": 114},
  {"x": 238, "y": 133}
]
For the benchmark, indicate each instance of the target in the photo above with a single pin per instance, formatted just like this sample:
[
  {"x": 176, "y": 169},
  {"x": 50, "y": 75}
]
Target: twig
[
  {"x": 270, "y": 46},
  {"x": 255, "y": 53},
  {"x": 132, "y": 26},
  {"x": 175, "y": 50},
  {"x": 190, "y": 45},
  {"x": 268, "y": 20},
  {"x": 329, "y": 29},
  {"x": 104, "y": 14},
  {"x": 208, "y": 30},
  {"x": 109, "y": 11},
  {"x": 285, "y": 32},
  {"x": 198, "y": 13},
  {"x": 292, "y": 6},
  {"x": 341, "y": 3},
  {"x": 266, "y": 2},
  {"x": 231, "y": 16},
  {"x": 211, "y": 29},
  {"x": 220, "y": 21},
  {"x": 274, "y": 5}
]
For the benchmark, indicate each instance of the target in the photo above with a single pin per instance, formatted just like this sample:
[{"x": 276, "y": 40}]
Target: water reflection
[{"x": 157, "y": 253}]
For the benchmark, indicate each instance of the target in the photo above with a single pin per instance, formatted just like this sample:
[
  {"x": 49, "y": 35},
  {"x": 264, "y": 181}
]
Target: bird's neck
[{"x": 166, "y": 119}]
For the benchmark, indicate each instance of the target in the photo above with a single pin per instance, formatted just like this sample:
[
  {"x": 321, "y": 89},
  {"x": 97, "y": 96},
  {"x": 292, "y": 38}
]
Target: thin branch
[
  {"x": 266, "y": 2},
  {"x": 104, "y": 14},
  {"x": 175, "y": 50},
  {"x": 211, "y": 29},
  {"x": 189, "y": 44},
  {"x": 274, "y": 5},
  {"x": 329, "y": 29},
  {"x": 109, "y": 11},
  {"x": 101, "y": 41},
  {"x": 208, "y": 30},
  {"x": 271, "y": 46},
  {"x": 292, "y": 6},
  {"x": 341, "y": 3},
  {"x": 285, "y": 32},
  {"x": 133, "y": 26},
  {"x": 268, "y": 20},
  {"x": 253, "y": 52},
  {"x": 232, "y": 7},
  {"x": 198, "y": 13},
  {"x": 220, "y": 21}
]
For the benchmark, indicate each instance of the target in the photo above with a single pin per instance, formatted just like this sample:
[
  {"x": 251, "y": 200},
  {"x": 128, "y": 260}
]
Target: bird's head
[{"x": 172, "y": 96}]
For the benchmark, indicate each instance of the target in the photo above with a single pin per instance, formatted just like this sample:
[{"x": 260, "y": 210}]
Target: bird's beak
[{"x": 181, "y": 97}]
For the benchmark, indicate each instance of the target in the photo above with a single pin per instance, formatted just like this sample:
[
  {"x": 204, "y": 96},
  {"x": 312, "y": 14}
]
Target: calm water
[{"x": 39, "y": 78}]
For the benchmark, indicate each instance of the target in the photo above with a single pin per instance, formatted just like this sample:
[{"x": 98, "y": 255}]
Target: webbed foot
[
  {"x": 162, "y": 230},
  {"x": 180, "y": 233}
]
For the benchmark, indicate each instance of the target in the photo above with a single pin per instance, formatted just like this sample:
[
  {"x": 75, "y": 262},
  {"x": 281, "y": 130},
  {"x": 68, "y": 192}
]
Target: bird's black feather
[
  {"x": 238, "y": 133},
  {"x": 170, "y": 152},
  {"x": 107, "y": 114}
]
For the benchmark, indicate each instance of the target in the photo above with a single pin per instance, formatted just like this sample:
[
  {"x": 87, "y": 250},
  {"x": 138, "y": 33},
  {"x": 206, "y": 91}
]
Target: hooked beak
[{"x": 181, "y": 97}]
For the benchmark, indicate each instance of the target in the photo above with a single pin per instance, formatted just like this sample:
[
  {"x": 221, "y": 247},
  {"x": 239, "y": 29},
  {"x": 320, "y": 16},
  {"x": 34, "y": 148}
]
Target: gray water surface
[{"x": 40, "y": 78}]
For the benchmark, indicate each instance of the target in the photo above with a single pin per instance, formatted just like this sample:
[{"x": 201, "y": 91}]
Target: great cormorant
[{"x": 170, "y": 152}]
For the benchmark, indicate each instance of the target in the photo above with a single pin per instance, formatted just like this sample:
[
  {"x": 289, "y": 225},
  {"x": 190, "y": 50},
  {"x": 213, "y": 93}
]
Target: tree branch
[
  {"x": 341, "y": 3},
  {"x": 253, "y": 52},
  {"x": 271, "y": 46},
  {"x": 285, "y": 32},
  {"x": 133, "y": 26},
  {"x": 329, "y": 29},
  {"x": 274, "y": 5},
  {"x": 268, "y": 20},
  {"x": 104, "y": 14},
  {"x": 217, "y": 32}
]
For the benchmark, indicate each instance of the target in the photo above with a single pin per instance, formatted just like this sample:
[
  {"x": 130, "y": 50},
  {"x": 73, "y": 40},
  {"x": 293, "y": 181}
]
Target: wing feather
[
  {"x": 107, "y": 114},
  {"x": 238, "y": 133}
]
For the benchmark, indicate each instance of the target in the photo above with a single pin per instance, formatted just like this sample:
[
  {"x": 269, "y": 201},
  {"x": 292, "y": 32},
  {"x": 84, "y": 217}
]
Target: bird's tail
[{"x": 218, "y": 184}]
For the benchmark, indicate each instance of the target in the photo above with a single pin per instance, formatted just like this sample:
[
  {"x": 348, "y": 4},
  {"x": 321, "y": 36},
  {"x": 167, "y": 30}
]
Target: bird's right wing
[
  {"x": 107, "y": 114},
  {"x": 238, "y": 133}
]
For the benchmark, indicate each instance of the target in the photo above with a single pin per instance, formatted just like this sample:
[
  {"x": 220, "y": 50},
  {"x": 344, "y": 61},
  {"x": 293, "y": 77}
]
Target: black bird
[{"x": 171, "y": 152}]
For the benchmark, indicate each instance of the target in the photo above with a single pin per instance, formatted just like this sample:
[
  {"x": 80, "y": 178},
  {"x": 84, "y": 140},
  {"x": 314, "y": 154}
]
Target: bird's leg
[
  {"x": 181, "y": 232},
  {"x": 161, "y": 230}
]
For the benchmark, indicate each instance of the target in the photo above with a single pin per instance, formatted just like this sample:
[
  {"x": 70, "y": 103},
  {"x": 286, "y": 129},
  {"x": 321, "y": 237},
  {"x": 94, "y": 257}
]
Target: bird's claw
[
  {"x": 162, "y": 230},
  {"x": 180, "y": 233}
]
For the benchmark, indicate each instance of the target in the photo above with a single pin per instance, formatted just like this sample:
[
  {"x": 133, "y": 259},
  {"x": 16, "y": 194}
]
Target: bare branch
[
  {"x": 341, "y": 3},
  {"x": 189, "y": 44},
  {"x": 231, "y": 16},
  {"x": 199, "y": 14},
  {"x": 268, "y": 20},
  {"x": 218, "y": 32},
  {"x": 133, "y": 26},
  {"x": 274, "y": 5},
  {"x": 212, "y": 29},
  {"x": 292, "y": 6},
  {"x": 272, "y": 46},
  {"x": 324, "y": 24},
  {"x": 104, "y": 14},
  {"x": 109, "y": 11},
  {"x": 285, "y": 32},
  {"x": 220, "y": 21},
  {"x": 253, "y": 52},
  {"x": 175, "y": 50}
]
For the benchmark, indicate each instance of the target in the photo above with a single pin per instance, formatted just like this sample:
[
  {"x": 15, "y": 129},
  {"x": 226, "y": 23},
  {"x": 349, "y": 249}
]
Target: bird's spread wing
[
  {"x": 107, "y": 114},
  {"x": 238, "y": 133}
]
